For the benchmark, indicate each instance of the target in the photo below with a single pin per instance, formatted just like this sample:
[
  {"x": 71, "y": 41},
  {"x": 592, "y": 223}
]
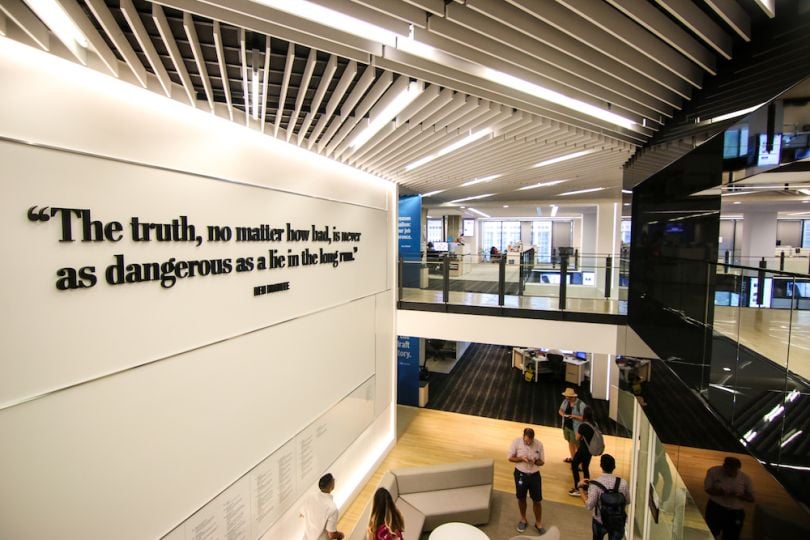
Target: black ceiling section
[{"x": 775, "y": 59}]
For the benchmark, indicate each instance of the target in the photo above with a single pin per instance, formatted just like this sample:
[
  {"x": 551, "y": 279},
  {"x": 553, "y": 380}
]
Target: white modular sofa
[{"x": 432, "y": 495}]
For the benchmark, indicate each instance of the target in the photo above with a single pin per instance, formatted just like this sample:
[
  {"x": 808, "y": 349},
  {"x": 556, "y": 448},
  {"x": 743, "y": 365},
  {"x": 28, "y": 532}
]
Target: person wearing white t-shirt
[
  {"x": 527, "y": 454},
  {"x": 320, "y": 512}
]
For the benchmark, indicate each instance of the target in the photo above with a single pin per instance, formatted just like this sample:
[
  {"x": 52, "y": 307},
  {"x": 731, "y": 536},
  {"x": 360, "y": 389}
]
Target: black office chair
[{"x": 553, "y": 366}]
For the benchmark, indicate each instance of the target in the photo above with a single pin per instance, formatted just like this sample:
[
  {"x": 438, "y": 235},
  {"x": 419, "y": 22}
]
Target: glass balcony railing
[
  {"x": 582, "y": 283},
  {"x": 760, "y": 364}
]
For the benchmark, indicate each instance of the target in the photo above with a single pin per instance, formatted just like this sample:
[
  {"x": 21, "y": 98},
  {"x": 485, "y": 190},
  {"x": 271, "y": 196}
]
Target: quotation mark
[{"x": 42, "y": 215}]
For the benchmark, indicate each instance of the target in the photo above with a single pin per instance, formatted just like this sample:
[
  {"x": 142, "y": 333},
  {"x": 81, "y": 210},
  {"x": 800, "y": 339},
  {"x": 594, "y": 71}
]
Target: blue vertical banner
[
  {"x": 409, "y": 225},
  {"x": 408, "y": 370}
]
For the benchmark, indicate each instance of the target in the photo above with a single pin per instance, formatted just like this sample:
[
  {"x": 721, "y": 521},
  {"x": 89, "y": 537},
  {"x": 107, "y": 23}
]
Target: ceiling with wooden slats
[{"x": 478, "y": 67}]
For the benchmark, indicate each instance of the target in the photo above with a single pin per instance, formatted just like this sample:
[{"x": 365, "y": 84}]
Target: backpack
[
  {"x": 596, "y": 446},
  {"x": 611, "y": 506}
]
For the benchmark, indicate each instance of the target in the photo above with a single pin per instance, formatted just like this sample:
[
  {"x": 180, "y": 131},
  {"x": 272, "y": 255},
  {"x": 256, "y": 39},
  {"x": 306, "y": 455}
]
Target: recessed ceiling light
[
  {"x": 469, "y": 139},
  {"x": 506, "y": 206},
  {"x": 737, "y": 202},
  {"x": 566, "y": 157},
  {"x": 591, "y": 190},
  {"x": 626, "y": 204},
  {"x": 805, "y": 202},
  {"x": 542, "y": 184}
]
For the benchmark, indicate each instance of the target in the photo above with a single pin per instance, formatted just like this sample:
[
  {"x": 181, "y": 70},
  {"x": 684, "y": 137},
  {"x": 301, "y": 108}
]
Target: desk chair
[{"x": 554, "y": 366}]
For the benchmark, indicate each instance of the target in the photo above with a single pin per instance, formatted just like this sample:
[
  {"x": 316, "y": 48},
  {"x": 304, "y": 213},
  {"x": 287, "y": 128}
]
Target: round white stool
[{"x": 457, "y": 531}]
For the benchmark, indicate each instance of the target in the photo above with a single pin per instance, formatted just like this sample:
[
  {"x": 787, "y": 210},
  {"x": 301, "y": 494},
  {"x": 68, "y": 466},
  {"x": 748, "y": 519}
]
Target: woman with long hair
[
  {"x": 583, "y": 456},
  {"x": 386, "y": 522}
]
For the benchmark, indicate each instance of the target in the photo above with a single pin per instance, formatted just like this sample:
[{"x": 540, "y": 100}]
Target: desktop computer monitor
[
  {"x": 440, "y": 246},
  {"x": 581, "y": 355}
]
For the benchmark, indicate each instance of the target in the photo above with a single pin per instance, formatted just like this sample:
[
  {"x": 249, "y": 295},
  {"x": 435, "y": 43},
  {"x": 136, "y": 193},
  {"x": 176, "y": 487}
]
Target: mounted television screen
[{"x": 765, "y": 157}]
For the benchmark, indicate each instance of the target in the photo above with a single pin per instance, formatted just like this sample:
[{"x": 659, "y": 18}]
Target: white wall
[
  {"x": 124, "y": 409},
  {"x": 591, "y": 337}
]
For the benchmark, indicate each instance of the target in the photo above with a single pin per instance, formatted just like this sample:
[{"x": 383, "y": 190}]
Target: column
[
  {"x": 608, "y": 240},
  {"x": 758, "y": 238}
]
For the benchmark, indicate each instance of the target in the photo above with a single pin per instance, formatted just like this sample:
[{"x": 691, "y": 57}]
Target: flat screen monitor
[
  {"x": 581, "y": 355},
  {"x": 764, "y": 157},
  {"x": 440, "y": 246}
]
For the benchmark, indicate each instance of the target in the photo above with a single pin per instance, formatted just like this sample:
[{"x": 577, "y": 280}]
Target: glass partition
[{"x": 525, "y": 279}]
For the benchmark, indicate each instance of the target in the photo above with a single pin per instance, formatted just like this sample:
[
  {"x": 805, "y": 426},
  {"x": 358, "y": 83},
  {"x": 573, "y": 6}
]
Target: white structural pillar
[
  {"x": 758, "y": 237},
  {"x": 608, "y": 240}
]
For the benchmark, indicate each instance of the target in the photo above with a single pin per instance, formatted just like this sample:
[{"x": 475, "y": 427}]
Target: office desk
[
  {"x": 574, "y": 369},
  {"x": 520, "y": 356},
  {"x": 642, "y": 366}
]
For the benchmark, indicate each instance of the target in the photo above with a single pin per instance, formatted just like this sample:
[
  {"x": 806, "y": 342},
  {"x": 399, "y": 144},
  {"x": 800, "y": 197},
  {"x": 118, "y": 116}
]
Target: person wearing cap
[
  {"x": 528, "y": 456},
  {"x": 728, "y": 489},
  {"x": 571, "y": 411}
]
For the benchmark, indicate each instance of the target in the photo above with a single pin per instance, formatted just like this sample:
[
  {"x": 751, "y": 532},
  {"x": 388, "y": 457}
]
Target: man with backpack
[{"x": 607, "y": 498}]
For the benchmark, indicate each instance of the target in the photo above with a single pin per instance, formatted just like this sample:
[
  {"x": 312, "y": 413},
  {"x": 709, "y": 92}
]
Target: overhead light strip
[
  {"x": 469, "y": 139},
  {"x": 333, "y": 19},
  {"x": 481, "y": 180},
  {"x": 478, "y": 212},
  {"x": 542, "y": 184},
  {"x": 56, "y": 18},
  {"x": 566, "y": 157},
  {"x": 578, "y": 192},
  {"x": 405, "y": 98},
  {"x": 471, "y": 198},
  {"x": 358, "y": 27},
  {"x": 431, "y": 193}
]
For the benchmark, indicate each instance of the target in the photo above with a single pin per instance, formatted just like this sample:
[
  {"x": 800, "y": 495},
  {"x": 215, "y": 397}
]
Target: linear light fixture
[
  {"x": 431, "y": 193},
  {"x": 397, "y": 105},
  {"x": 334, "y": 19},
  {"x": 472, "y": 198},
  {"x": 735, "y": 193},
  {"x": 469, "y": 139},
  {"x": 789, "y": 438},
  {"x": 57, "y": 19},
  {"x": 555, "y": 97},
  {"x": 480, "y": 213},
  {"x": 542, "y": 184},
  {"x": 627, "y": 191},
  {"x": 358, "y": 27},
  {"x": 254, "y": 91},
  {"x": 591, "y": 190},
  {"x": 734, "y": 114},
  {"x": 481, "y": 180},
  {"x": 566, "y": 157}
]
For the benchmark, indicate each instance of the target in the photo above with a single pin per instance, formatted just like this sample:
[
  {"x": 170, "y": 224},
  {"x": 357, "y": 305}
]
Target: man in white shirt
[
  {"x": 527, "y": 454},
  {"x": 320, "y": 512},
  {"x": 591, "y": 493}
]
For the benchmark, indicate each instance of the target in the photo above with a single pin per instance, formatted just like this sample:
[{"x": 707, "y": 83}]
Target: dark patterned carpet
[{"x": 483, "y": 383}]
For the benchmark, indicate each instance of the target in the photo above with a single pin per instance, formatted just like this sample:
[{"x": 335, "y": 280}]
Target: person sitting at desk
[{"x": 494, "y": 254}]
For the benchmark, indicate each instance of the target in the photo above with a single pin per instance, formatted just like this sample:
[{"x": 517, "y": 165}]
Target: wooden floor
[
  {"x": 428, "y": 437},
  {"x": 781, "y": 335}
]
